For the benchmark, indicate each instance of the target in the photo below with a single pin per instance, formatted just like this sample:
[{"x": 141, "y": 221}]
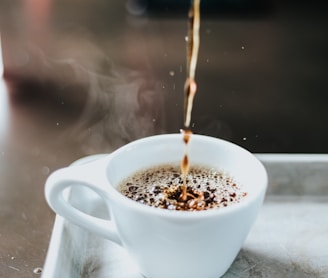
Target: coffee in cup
[
  {"x": 161, "y": 187},
  {"x": 169, "y": 242}
]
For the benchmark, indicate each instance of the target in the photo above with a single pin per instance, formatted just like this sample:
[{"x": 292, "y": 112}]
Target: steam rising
[
  {"x": 121, "y": 107},
  {"x": 121, "y": 104}
]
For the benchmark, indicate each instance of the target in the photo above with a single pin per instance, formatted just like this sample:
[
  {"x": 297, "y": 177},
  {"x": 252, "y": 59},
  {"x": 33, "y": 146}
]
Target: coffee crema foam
[{"x": 161, "y": 187}]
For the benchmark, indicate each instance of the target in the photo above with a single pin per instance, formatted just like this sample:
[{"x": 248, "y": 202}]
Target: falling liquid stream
[{"x": 190, "y": 85}]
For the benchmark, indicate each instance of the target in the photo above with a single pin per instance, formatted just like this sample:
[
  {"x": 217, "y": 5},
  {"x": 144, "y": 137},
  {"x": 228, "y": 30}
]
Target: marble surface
[{"x": 289, "y": 238}]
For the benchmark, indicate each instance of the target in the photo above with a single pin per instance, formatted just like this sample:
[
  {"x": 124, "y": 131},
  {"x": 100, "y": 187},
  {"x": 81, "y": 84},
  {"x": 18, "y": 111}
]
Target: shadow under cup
[{"x": 168, "y": 243}]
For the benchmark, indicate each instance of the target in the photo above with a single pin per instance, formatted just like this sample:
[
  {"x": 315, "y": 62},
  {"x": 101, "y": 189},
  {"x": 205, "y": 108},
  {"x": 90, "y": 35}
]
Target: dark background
[
  {"x": 262, "y": 71},
  {"x": 84, "y": 77}
]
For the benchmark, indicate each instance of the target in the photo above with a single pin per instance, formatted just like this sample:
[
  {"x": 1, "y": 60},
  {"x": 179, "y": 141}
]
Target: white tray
[{"x": 289, "y": 238}]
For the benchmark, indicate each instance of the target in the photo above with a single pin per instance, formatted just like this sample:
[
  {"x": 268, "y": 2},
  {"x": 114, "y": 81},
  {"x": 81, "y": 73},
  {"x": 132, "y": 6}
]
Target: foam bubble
[{"x": 161, "y": 187}]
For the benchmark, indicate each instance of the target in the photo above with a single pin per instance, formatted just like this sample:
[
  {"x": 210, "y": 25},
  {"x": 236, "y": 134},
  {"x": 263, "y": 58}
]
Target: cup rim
[{"x": 118, "y": 197}]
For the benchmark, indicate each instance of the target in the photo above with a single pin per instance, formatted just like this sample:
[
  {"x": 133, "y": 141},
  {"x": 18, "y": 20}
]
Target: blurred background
[
  {"x": 82, "y": 77},
  {"x": 261, "y": 73}
]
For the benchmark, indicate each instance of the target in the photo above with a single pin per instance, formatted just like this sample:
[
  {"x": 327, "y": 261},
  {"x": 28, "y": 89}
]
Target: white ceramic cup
[{"x": 166, "y": 243}]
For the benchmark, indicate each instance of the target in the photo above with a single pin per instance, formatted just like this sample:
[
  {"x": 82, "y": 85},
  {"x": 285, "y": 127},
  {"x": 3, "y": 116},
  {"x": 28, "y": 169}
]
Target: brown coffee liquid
[
  {"x": 192, "y": 57},
  {"x": 160, "y": 187},
  {"x": 190, "y": 87}
]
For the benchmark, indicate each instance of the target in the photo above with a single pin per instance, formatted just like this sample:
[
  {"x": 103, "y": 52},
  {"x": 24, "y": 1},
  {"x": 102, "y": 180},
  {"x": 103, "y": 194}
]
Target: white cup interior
[{"x": 202, "y": 150}]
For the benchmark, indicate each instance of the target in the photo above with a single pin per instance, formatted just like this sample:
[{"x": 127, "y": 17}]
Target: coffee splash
[
  {"x": 190, "y": 91},
  {"x": 184, "y": 187}
]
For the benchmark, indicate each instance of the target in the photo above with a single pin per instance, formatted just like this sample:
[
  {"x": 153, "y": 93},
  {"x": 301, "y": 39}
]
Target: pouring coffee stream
[
  {"x": 190, "y": 91},
  {"x": 192, "y": 57}
]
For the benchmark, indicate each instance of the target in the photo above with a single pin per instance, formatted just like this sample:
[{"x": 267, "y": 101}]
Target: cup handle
[{"x": 91, "y": 176}]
